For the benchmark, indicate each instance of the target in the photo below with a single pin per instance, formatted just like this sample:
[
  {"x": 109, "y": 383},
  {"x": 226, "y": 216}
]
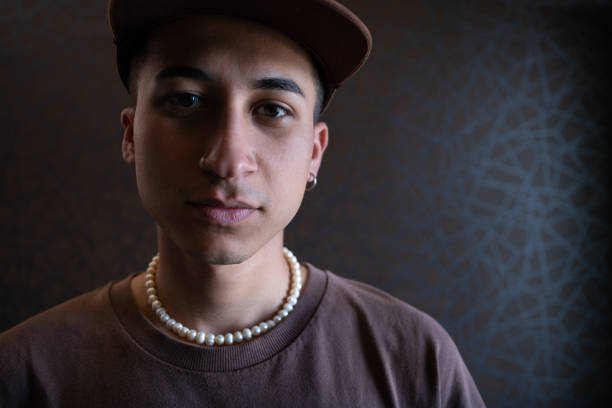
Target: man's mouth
[{"x": 223, "y": 212}]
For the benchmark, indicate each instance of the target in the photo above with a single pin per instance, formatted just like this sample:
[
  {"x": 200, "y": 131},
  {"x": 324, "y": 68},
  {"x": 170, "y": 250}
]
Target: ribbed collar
[{"x": 216, "y": 359}]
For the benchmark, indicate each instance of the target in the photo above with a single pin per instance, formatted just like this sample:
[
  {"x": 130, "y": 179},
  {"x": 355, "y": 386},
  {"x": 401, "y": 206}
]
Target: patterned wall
[{"x": 468, "y": 174}]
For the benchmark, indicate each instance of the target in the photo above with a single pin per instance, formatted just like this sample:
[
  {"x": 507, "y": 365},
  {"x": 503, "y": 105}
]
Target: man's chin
[{"x": 221, "y": 256}]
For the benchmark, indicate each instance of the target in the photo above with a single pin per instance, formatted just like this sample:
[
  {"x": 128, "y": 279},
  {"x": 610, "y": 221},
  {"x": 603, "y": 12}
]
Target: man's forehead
[{"x": 199, "y": 47}]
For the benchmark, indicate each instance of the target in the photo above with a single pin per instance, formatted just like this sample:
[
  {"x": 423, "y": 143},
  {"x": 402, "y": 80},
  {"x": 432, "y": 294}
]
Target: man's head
[{"x": 222, "y": 136}]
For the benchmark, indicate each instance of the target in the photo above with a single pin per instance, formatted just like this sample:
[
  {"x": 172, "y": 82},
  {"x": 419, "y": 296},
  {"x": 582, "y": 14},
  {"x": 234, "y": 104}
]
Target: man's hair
[{"x": 140, "y": 52}]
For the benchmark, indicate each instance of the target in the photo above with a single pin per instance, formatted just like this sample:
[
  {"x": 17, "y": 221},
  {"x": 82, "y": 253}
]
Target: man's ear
[
  {"x": 127, "y": 145},
  {"x": 321, "y": 137}
]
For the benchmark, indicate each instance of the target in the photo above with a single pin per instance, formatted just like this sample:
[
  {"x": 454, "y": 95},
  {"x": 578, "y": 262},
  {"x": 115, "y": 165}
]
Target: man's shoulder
[
  {"x": 392, "y": 324},
  {"x": 382, "y": 308},
  {"x": 59, "y": 346},
  {"x": 74, "y": 317},
  {"x": 404, "y": 339}
]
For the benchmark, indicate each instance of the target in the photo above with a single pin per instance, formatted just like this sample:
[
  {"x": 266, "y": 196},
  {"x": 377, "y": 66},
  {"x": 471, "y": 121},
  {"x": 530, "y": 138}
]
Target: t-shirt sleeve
[
  {"x": 417, "y": 361},
  {"x": 14, "y": 378},
  {"x": 456, "y": 386}
]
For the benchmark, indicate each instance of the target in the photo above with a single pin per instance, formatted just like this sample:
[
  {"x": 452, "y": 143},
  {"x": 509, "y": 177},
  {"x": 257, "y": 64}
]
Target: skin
[{"x": 234, "y": 138}]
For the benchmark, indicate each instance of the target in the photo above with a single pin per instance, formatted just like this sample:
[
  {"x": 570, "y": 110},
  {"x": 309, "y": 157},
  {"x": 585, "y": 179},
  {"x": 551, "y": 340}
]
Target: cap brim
[{"x": 335, "y": 37}]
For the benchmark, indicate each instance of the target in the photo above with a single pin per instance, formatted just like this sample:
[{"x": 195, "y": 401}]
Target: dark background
[{"x": 468, "y": 174}]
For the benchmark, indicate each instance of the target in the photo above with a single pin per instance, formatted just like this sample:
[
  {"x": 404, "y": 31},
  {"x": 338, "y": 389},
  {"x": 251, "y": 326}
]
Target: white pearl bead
[
  {"x": 277, "y": 319},
  {"x": 271, "y": 323},
  {"x": 283, "y": 313},
  {"x": 178, "y": 327},
  {"x": 246, "y": 334},
  {"x": 255, "y": 330},
  {"x": 201, "y": 337},
  {"x": 192, "y": 335},
  {"x": 164, "y": 318},
  {"x": 210, "y": 339},
  {"x": 149, "y": 284},
  {"x": 184, "y": 331},
  {"x": 229, "y": 339},
  {"x": 152, "y": 298},
  {"x": 149, "y": 276},
  {"x": 263, "y": 326},
  {"x": 219, "y": 339},
  {"x": 156, "y": 305},
  {"x": 151, "y": 291},
  {"x": 170, "y": 323},
  {"x": 238, "y": 337}
]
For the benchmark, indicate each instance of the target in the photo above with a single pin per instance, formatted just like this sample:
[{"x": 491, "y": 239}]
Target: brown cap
[{"x": 337, "y": 39}]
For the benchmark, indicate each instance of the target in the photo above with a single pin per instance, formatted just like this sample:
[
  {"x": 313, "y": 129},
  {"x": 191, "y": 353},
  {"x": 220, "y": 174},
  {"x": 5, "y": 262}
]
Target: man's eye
[
  {"x": 272, "y": 110},
  {"x": 185, "y": 100}
]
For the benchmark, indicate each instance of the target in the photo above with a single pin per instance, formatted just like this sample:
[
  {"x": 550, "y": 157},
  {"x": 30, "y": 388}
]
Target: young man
[{"x": 225, "y": 139}]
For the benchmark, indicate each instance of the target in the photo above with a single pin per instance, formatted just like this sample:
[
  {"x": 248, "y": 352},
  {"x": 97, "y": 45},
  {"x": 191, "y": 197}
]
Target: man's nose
[{"x": 229, "y": 152}]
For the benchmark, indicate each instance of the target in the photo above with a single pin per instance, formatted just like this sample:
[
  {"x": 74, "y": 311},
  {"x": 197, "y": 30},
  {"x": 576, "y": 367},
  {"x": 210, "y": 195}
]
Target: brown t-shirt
[{"x": 346, "y": 344}]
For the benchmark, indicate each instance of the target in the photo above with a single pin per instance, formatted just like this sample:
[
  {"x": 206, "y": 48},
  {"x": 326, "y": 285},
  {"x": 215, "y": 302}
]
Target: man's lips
[{"x": 223, "y": 212}]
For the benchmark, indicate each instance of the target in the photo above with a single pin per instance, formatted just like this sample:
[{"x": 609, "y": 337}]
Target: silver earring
[
  {"x": 312, "y": 182},
  {"x": 202, "y": 163}
]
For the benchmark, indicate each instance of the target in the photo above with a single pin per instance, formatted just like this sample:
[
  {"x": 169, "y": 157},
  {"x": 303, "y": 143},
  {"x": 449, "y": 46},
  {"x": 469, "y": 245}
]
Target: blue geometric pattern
[{"x": 491, "y": 156}]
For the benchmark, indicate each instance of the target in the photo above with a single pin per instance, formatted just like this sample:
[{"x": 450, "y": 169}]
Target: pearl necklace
[{"x": 239, "y": 336}]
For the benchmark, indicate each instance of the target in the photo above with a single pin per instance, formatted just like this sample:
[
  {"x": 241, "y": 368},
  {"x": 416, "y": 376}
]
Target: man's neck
[{"x": 217, "y": 298}]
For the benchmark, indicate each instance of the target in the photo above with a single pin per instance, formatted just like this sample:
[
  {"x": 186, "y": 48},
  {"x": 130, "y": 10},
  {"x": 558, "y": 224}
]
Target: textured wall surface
[{"x": 468, "y": 174}]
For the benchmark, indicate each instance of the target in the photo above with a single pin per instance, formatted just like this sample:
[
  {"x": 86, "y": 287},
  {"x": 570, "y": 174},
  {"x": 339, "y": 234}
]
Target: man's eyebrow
[
  {"x": 183, "y": 71},
  {"x": 275, "y": 83},
  {"x": 282, "y": 84}
]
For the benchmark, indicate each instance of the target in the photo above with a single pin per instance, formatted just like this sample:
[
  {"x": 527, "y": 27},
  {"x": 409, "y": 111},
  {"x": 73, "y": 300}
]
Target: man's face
[{"x": 222, "y": 135}]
